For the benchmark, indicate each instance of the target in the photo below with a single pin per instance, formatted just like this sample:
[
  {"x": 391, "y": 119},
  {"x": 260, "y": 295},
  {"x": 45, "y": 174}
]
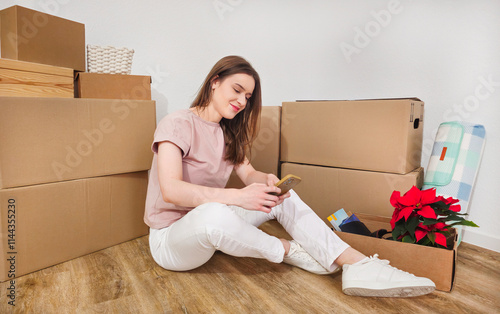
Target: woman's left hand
[{"x": 271, "y": 181}]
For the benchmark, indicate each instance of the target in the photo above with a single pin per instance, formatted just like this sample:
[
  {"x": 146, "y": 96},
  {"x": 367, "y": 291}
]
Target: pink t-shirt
[{"x": 202, "y": 144}]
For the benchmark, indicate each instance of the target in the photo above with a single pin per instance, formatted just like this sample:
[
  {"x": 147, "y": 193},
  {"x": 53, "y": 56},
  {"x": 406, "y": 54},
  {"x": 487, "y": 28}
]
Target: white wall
[{"x": 439, "y": 51}]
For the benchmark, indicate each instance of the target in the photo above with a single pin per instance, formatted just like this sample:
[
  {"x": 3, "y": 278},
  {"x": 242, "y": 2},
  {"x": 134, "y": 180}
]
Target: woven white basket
[{"x": 109, "y": 60}]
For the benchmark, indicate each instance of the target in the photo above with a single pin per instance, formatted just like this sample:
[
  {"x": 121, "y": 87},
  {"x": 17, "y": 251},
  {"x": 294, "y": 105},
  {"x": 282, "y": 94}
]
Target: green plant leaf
[
  {"x": 453, "y": 217},
  {"x": 411, "y": 225},
  {"x": 467, "y": 223},
  {"x": 432, "y": 237},
  {"x": 424, "y": 241},
  {"x": 408, "y": 239},
  {"x": 440, "y": 205},
  {"x": 399, "y": 229},
  {"x": 430, "y": 221}
]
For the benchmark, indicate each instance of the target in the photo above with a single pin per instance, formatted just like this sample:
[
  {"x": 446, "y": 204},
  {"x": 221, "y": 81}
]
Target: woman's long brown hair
[{"x": 240, "y": 131}]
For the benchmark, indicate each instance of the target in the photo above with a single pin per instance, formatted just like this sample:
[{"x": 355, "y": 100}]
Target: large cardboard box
[
  {"x": 378, "y": 135},
  {"x": 326, "y": 189},
  {"x": 112, "y": 86},
  {"x": 266, "y": 147},
  {"x": 437, "y": 264},
  {"x": 33, "y": 36},
  {"x": 43, "y": 225},
  {"x": 55, "y": 139},
  {"x": 27, "y": 79}
]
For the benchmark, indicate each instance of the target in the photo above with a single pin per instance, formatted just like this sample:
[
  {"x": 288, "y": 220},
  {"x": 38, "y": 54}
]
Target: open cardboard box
[{"x": 437, "y": 264}]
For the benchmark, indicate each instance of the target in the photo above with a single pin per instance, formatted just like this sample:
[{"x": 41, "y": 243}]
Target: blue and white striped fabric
[{"x": 455, "y": 160}]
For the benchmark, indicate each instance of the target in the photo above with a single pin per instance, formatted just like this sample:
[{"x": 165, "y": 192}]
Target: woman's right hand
[{"x": 256, "y": 197}]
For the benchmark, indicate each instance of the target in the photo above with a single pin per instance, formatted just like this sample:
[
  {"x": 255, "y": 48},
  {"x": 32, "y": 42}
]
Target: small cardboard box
[
  {"x": 46, "y": 140},
  {"x": 327, "y": 189},
  {"x": 43, "y": 225},
  {"x": 377, "y": 135},
  {"x": 437, "y": 264},
  {"x": 27, "y": 79},
  {"x": 33, "y": 36},
  {"x": 112, "y": 86},
  {"x": 266, "y": 147}
]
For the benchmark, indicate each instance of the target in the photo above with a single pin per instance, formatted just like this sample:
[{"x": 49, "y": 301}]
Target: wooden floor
[{"x": 125, "y": 279}]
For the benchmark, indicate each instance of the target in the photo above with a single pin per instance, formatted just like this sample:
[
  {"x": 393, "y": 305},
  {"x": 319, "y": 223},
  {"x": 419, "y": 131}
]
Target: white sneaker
[
  {"x": 297, "y": 256},
  {"x": 372, "y": 277}
]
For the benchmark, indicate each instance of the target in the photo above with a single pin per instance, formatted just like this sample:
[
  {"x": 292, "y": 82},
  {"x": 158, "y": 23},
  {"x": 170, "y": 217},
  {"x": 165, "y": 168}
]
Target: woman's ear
[{"x": 215, "y": 82}]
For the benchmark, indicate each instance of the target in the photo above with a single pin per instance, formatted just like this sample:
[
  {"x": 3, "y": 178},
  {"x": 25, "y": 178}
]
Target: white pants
[{"x": 192, "y": 240}]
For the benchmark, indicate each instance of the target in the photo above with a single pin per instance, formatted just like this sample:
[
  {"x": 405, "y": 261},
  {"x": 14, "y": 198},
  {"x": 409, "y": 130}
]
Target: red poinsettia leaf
[
  {"x": 405, "y": 212},
  {"x": 424, "y": 227},
  {"x": 427, "y": 212},
  {"x": 440, "y": 226},
  {"x": 412, "y": 197},
  {"x": 419, "y": 234},
  {"x": 455, "y": 208},
  {"x": 450, "y": 200},
  {"x": 440, "y": 239},
  {"x": 396, "y": 195},
  {"x": 428, "y": 196},
  {"x": 394, "y": 218}
]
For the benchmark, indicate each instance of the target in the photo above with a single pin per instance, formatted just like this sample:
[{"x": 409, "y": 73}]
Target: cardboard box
[
  {"x": 56, "y": 139},
  {"x": 29, "y": 35},
  {"x": 26, "y": 79},
  {"x": 112, "y": 86},
  {"x": 437, "y": 264},
  {"x": 377, "y": 135},
  {"x": 266, "y": 147},
  {"x": 326, "y": 189},
  {"x": 43, "y": 225}
]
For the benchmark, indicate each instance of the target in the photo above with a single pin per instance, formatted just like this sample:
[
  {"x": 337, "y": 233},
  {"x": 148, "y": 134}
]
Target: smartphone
[{"x": 287, "y": 183}]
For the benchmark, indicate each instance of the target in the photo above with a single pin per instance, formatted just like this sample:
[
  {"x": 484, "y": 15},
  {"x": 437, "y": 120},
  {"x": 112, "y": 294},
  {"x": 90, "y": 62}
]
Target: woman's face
[{"x": 230, "y": 94}]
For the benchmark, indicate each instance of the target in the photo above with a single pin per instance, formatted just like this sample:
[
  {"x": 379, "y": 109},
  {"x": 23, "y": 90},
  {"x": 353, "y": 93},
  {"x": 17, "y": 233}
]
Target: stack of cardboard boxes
[
  {"x": 73, "y": 171},
  {"x": 352, "y": 154}
]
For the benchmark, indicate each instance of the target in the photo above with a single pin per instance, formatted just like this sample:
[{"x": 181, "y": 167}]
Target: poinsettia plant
[{"x": 422, "y": 217}]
